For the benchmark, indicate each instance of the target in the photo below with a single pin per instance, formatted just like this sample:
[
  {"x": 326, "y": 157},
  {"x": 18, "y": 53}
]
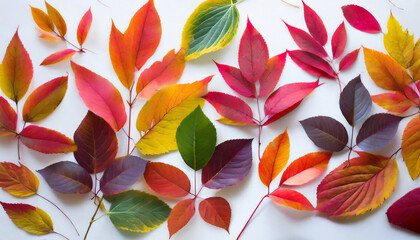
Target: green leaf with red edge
[
  {"x": 394, "y": 102},
  {"x": 405, "y": 212},
  {"x": 84, "y": 27},
  {"x": 315, "y": 25},
  {"x": 180, "y": 215},
  {"x": 216, "y": 211},
  {"x": 29, "y": 218},
  {"x": 46, "y": 140},
  {"x": 8, "y": 118},
  {"x": 58, "y": 56},
  {"x": 67, "y": 177},
  {"x": 312, "y": 63},
  {"x": 16, "y": 70},
  {"x": 57, "y": 19},
  {"x": 291, "y": 198},
  {"x": 271, "y": 76},
  {"x": 305, "y": 169},
  {"x": 348, "y": 60},
  {"x": 339, "y": 41},
  {"x": 235, "y": 79},
  {"x": 161, "y": 74},
  {"x": 44, "y": 99},
  {"x": 357, "y": 186},
  {"x": 18, "y": 180},
  {"x": 361, "y": 19},
  {"x": 410, "y": 147},
  {"x": 274, "y": 159},
  {"x": 42, "y": 19},
  {"x": 106, "y": 103},
  {"x": 253, "y": 54},
  {"x": 167, "y": 180}
]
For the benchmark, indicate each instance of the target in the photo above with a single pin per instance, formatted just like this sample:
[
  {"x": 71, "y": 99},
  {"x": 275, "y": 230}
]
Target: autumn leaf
[
  {"x": 180, "y": 215},
  {"x": 211, "y": 27},
  {"x": 405, "y": 212},
  {"x": 84, "y": 27},
  {"x": 361, "y": 19},
  {"x": 8, "y": 118},
  {"x": 410, "y": 147},
  {"x": 362, "y": 186},
  {"x": 291, "y": 198},
  {"x": 348, "y": 60},
  {"x": 235, "y": 79},
  {"x": 42, "y": 19},
  {"x": 48, "y": 36},
  {"x": 394, "y": 102},
  {"x": 44, "y": 99},
  {"x": 312, "y": 63},
  {"x": 174, "y": 103},
  {"x": 271, "y": 76},
  {"x": 58, "y": 56},
  {"x": 216, "y": 211},
  {"x": 57, "y": 19},
  {"x": 339, "y": 41},
  {"x": 315, "y": 25},
  {"x": 18, "y": 180}
]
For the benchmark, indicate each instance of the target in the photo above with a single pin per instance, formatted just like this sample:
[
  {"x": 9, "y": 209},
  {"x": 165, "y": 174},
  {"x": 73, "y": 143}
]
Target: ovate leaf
[
  {"x": 137, "y": 211},
  {"x": 84, "y": 27},
  {"x": 42, "y": 19},
  {"x": 361, "y": 19},
  {"x": 216, "y": 211},
  {"x": 312, "y": 64},
  {"x": 58, "y": 56},
  {"x": 410, "y": 147},
  {"x": 8, "y": 118},
  {"x": 271, "y": 76},
  {"x": 405, "y": 212},
  {"x": 315, "y": 25},
  {"x": 360, "y": 187},
  {"x": 306, "y": 42},
  {"x": 57, "y": 19},
  {"x": 235, "y": 79},
  {"x": 291, "y": 198},
  {"x": 394, "y": 102},
  {"x": 348, "y": 60},
  {"x": 212, "y": 26},
  {"x": 180, "y": 215},
  {"x": 339, "y": 41},
  {"x": 18, "y": 180}
]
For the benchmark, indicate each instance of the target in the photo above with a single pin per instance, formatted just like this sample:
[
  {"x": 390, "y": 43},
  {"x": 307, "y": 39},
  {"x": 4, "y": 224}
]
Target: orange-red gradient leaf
[
  {"x": 394, "y": 102},
  {"x": 18, "y": 180},
  {"x": 8, "y": 118},
  {"x": 42, "y": 19},
  {"x": 216, "y": 211},
  {"x": 84, "y": 27},
  {"x": 57, "y": 19},
  {"x": 48, "y": 36},
  {"x": 180, "y": 215},
  {"x": 291, "y": 198},
  {"x": 58, "y": 56},
  {"x": 411, "y": 147}
]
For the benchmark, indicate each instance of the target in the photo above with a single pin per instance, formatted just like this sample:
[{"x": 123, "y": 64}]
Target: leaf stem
[
  {"x": 246, "y": 224},
  {"x": 351, "y": 146},
  {"x": 130, "y": 105},
  {"x": 61, "y": 235},
  {"x": 93, "y": 217},
  {"x": 67, "y": 41},
  {"x": 260, "y": 126},
  {"x": 100, "y": 217},
  {"x": 60, "y": 211},
  {"x": 18, "y": 147},
  {"x": 296, "y": 6}
]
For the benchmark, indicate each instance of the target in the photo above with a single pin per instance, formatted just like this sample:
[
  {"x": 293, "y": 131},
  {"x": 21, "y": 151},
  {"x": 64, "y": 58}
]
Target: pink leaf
[
  {"x": 348, "y": 60},
  {"x": 58, "y": 56},
  {"x": 315, "y": 25},
  {"x": 273, "y": 69},
  {"x": 312, "y": 64},
  {"x": 234, "y": 78},
  {"x": 361, "y": 19},
  {"x": 339, "y": 41},
  {"x": 84, "y": 27}
]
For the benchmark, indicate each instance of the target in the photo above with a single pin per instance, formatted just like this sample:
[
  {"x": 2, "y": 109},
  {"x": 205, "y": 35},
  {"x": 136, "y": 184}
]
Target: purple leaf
[
  {"x": 234, "y": 78},
  {"x": 229, "y": 164},
  {"x": 406, "y": 211},
  {"x": 121, "y": 174},
  {"x": 377, "y": 131},
  {"x": 67, "y": 177},
  {"x": 355, "y": 102},
  {"x": 326, "y": 132}
]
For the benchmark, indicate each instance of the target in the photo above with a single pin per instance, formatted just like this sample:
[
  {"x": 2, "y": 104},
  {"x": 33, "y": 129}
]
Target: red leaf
[
  {"x": 291, "y": 198},
  {"x": 167, "y": 180},
  {"x": 394, "y": 102},
  {"x": 231, "y": 107},
  {"x": 180, "y": 215},
  {"x": 339, "y": 41},
  {"x": 8, "y": 118},
  {"x": 253, "y": 54},
  {"x": 46, "y": 140},
  {"x": 406, "y": 211},
  {"x": 412, "y": 92},
  {"x": 306, "y": 42},
  {"x": 216, "y": 211},
  {"x": 271, "y": 76},
  {"x": 312, "y": 64},
  {"x": 58, "y": 56},
  {"x": 234, "y": 78},
  {"x": 348, "y": 60},
  {"x": 305, "y": 169},
  {"x": 361, "y": 19},
  {"x": 84, "y": 27},
  {"x": 100, "y": 96},
  {"x": 315, "y": 25},
  {"x": 281, "y": 114}
]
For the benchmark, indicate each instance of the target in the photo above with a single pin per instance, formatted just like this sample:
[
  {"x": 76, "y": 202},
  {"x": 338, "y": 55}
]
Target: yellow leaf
[
  {"x": 227, "y": 121},
  {"x": 161, "y": 115},
  {"x": 42, "y": 19},
  {"x": 415, "y": 62},
  {"x": 411, "y": 147},
  {"x": 398, "y": 43}
]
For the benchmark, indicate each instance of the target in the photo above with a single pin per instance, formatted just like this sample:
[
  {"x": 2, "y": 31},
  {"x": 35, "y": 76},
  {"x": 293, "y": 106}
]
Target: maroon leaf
[
  {"x": 348, "y": 60},
  {"x": 273, "y": 69},
  {"x": 234, "y": 78},
  {"x": 67, "y": 177},
  {"x": 339, "y": 41},
  {"x": 216, "y": 211},
  {"x": 406, "y": 211},
  {"x": 97, "y": 143},
  {"x": 312, "y": 64},
  {"x": 8, "y": 118},
  {"x": 315, "y": 25},
  {"x": 361, "y": 19},
  {"x": 326, "y": 132}
]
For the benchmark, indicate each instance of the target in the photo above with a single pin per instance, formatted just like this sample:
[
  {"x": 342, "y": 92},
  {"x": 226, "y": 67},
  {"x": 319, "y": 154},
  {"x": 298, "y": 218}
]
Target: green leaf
[
  {"x": 196, "y": 139},
  {"x": 212, "y": 26},
  {"x": 138, "y": 211}
]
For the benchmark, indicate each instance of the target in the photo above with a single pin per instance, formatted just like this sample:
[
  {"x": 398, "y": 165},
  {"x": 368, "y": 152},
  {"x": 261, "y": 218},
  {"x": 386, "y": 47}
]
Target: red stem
[
  {"x": 61, "y": 235},
  {"x": 130, "y": 105},
  {"x": 246, "y": 224}
]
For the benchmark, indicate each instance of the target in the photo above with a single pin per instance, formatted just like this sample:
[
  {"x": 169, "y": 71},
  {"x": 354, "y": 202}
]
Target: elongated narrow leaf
[
  {"x": 355, "y": 102},
  {"x": 58, "y": 56},
  {"x": 161, "y": 115},
  {"x": 29, "y": 218},
  {"x": 291, "y": 198},
  {"x": 196, "y": 139},
  {"x": 326, "y": 132},
  {"x": 348, "y": 60},
  {"x": 271, "y": 76},
  {"x": 231, "y": 107},
  {"x": 405, "y": 212},
  {"x": 106, "y": 103},
  {"x": 274, "y": 159},
  {"x": 212, "y": 26},
  {"x": 216, "y": 211},
  {"x": 161, "y": 74},
  {"x": 16, "y": 70},
  {"x": 180, "y": 215},
  {"x": 137, "y": 211},
  {"x": 234, "y": 78},
  {"x": 67, "y": 177},
  {"x": 84, "y": 27},
  {"x": 42, "y": 19},
  {"x": 394, "y": 102},
  {"x": 339, "y": 41},
  {"x": 46, "y": 140},
  {"x": 229, "y": 164},
  {"x": 377, "y": 131},
  {"x": 362, "y": 186},
  {"x": 312, "y": 64},
  {"x": 8, "y": 118},
  {"x": 48, "y": 36},
  {"x": 167, "y": 180},
  {"x": 253, "y": 54},
  {"x": 306, "y": 42},
  {"x": 305, "y": 168},
  {"x": 18, "y": 180},
  {"x": 361, "y": 19},
  {"x": 121, "y": 174},
  {"x": 281, "y": 114},
  {"x": 315, "y": 25},
  {"x": 44, "y": 100},
  {"x": 57, "y": 19},
  {"x": 410, "y": 147}
]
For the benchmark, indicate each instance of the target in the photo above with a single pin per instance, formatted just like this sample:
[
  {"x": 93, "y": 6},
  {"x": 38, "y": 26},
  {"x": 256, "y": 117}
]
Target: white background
[{"x": 271, "y": 221}]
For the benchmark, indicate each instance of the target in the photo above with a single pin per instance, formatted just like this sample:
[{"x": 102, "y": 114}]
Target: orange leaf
[
  {"x": 291, "y": 198},
  {"x": 394, "y": 102},
  {"x": 8, "y": 118},
  {"x": 216, "y": 211},
  {"x": 57, "y": 19},
  {"x": 411, "y": 147},
  {"x": 42, "y": 19},
  {"x": 58, "y": 56},
  {"x": 274, "y": 159},
  {"x": 84, "y": 27},
  {"x": 16, "y": 70},
  {"x": 180, "y": 215},
  {"x": 18, "y": 180},
  {"x": 48, "y": 36},
  {"x": 161, "y": 74},
  {"x": 305, "y": 169}
]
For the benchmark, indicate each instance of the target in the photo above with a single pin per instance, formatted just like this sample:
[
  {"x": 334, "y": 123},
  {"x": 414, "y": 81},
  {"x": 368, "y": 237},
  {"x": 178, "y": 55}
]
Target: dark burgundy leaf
[
  {"x": 270, "y": 78},
  {"x": 315, "y": 25},
  {"x": 406, "y": 211},
  {"x": 348, "y": 60},
  {"x": 312, "y": 64},
  {"x": 339, "y": 41},
  {"x": 234, "y": 78}
]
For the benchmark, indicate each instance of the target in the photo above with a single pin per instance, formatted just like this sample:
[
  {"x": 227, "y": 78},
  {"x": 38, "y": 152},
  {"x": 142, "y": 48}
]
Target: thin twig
[
  {"x": 246, "y": 224},
  {"x": 61, "y": 235},
  {"x": 296, "y": 6},
  {"x": 93, "y": 217}
]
